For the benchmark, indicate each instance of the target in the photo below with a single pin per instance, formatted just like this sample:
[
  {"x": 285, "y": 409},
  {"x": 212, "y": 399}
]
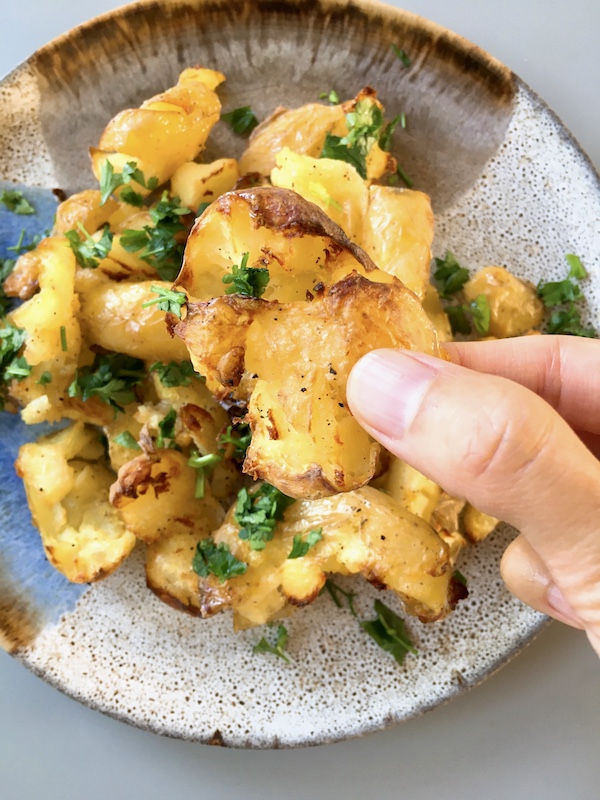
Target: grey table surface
[{"x": 530, "y": 731}]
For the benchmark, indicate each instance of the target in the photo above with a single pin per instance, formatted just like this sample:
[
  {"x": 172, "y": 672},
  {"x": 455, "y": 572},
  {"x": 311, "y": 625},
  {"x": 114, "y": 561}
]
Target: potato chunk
[
  {"x": 297, "y": 357},
  {"x": 514, "y": 305},
  {"x": 363, "y": 532},
  {"x": 195, "y": 184},
  {"x": 67, "y": 491}
]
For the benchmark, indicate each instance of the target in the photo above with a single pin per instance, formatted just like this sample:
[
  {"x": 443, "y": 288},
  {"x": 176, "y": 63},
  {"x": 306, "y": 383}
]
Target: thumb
[{"x": 501, "y": 447}]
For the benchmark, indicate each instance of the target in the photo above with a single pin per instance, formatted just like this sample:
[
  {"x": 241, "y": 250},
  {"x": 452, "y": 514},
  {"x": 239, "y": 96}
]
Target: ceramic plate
[{"x": 509, "y": 186}]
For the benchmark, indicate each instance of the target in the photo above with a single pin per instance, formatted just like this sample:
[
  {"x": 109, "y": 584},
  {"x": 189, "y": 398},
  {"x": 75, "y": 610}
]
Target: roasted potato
[
  {"x": 363, "y": 531},
  {"x": 195, "y": 183},
  {"x": 85, "y": 209},
  {"x": 514, "y": 306},
  {"x": 476, "y": 524},
  {"x": 67, "y": 491}
]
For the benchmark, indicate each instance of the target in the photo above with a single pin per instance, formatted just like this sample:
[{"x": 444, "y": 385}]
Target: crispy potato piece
[
  {"x": 476, "y": 524},
  {"x": 67, "y": 488},
  {"x": 334, "y": 186},
  {"x": 112, "y": 316},
  {"x": 514, "y": 305},
  {"x": 413, "y": 490},
  {"x": 397, "y": 234},
  {"x": 303, "y": 130},
  {"x": 154, "y": 494},
  {"x": 363, "y": 531},
  {"x": 84, "y": 209},
  {"x": 165, "y": 132},
  {"x": 303, "y": 249},
  {"x": 23, "y": 280},
  {"x": 195, "y": 184},
  {"x": 304, "y": 440}
]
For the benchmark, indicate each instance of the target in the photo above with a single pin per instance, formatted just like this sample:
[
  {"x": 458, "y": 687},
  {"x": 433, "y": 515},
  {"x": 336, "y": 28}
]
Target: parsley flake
[
  {"x": 278, "y": 649},
  {"x": 12, "y": 365},
  {"x": 218, "y": 560},
  {"x": 568, "y": 321},
  {"x": 577, "y": 270},
  {"x": 6, "y": 267},
  {"x": 88, "y": 250},
  {"x": 245, "y": 280},
  {"x": 555, "y": 293},
  {"x": 449, "y": 275},
  {"x": 112, "y": 378},
  {"x": 389, "y": 631},
  {"x": 300, "y": 548},
  {"x": 365, "y": 127},
  {"x": 169, "y": 300},
  {"x": 334, "y": 590},
  {"x": 166, "y": 431},
  {"x": 241, "y": 120},
  {"x": 258, "y": 513},
  {"x": 459, "y": 577},
  {"x": 127, "y": 440},
  {"x": 239, "y": 436},
  {"x": 111, "y": 180},
  {"x": 44, "y": 378},
  {"x": 175, "y": 373},
  {"x": 63, "y": 339},
  {"x": 203, "y": 465},
  {"x": 15, "y": 202},
  {"x": 331, "y": 96},
  {"x": 401, "y": 55}
]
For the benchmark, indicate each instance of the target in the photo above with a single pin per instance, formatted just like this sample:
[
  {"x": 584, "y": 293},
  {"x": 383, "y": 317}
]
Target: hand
[{"x": 513, "y": 426}]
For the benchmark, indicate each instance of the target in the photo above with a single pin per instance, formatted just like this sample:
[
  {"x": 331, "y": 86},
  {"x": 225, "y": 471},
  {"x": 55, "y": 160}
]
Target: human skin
[{"x": 513, "y": 426}]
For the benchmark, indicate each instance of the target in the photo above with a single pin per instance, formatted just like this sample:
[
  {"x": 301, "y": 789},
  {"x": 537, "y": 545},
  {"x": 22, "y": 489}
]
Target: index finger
[{"x": 563, "y": 370}]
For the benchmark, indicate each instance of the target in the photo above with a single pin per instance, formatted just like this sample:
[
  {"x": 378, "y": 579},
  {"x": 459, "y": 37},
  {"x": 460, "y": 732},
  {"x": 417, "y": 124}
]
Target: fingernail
[
  {"x": 557, "y": 601},
  {"x": 386, "y": 388}
]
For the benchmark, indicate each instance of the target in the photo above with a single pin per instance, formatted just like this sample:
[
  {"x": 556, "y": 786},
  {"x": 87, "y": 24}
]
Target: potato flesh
[
  {"x": 514, "y": 306},
  {"x": 85, "y": 209},
  {"x": 363, "y": 531},
  {"x": 68, "y": 497},
  {"x": 195, "y": 184},
  {"x": 112, "y": 316}
]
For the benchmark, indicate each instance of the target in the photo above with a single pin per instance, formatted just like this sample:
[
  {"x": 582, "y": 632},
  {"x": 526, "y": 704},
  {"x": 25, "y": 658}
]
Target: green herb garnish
[
  {"x": 278, "y": 649},
  {"x": 112, "y": 378},
  {"x": 15, "y": 202},
  {"x": 175, "y": 373},
  {"x": 568, "y": 321},
  {"x": 45, "y": 378},
  {"x": 478, "y": 311},
  {"x": 401, "y": 173},
  {"x": 127, "y": 440},
  {"x": 6, "y": 267},
  {"x": 89, "y": 251},
  {"x": 300, "y": 548},
  {"x": 245, "y": 280},
  {"x": 335, "y": 590},
  {"x": 239, "y": 436},
  {"x": 401, "y": 55},
  {"x": 218, "y": 560},
  {"x": 365, "y": 127},
  {"x": 449, "y": 275},
  {"x": 166, "y": 431},
  {"x": 555, "y": 293},
  {"x": 331, "y": 96},
  {"x": 159, "y": 243},
  {"x": 111, "y": 180},
  {"x": 389, "y": 631},
  {"x": 577, "y": 270},
  {"x": 25, "y": 247},
  {"x": 169, "y": 300},
  {"x": 12, "y": 366},
  {"x": 63, "y": 339},
  {"x": 203, "y": 465},
  {"x": 241, "y": 120},
  {"x": 257, "y": 514},
  {"x": 459, "y": 577}
]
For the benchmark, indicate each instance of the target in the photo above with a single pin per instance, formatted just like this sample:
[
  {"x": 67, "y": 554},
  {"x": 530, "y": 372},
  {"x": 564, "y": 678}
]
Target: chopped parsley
[
  {"x": 112, "y": 378},
  {"x": 63, "y": 339},
  {"x": 111, "y": 180},
  {"x": 401, "y": 173},
  {"x": 239, "y": 436},
  {"x": 166, "y": 431},
  {"x": 203, "y": 465},
  {"x": 565, "y": 293},
  {"x": 300, "y": 548},
  {"x": 389, "y": 631},
  {"x": 459, "y": 577},
  {"x": 175, "y": 373},
  {"x": 449, "y": 275},
  {"x": 245, "y": 280},
  {"x": 202, "y": 207},
  {"x": 15, "y": 202},
  {"x": 6, "y": 267},
  {"x": 331, "y": 96},
  {"x": 401, "y": 55},
  {"x": 17, "y": 369},
  {"x": 218, "y": 560},
  {"x": 88, "y": 250},
  {"x": 45, "y": 378},
  {"x": 385, "y": 137},
  {"x": 127, "y": 440},
  {"x": 24, "y": 247},
  {"x": 158, "y": 243},
  {"x": 257, "y": 514},
  {"x": 12, "y": 366},
  {"x": 335, "y": 590},
  {"x": 365, "y": 129},
  {"x": 477, "y": 311},
  {"x": 278, "y": 649},
  {"x": 169, "y": 300},
  {"x": 241, "y": 120}
]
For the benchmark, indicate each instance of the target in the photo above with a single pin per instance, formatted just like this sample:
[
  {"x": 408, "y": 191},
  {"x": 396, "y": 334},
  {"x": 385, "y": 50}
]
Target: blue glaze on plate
[{"x": 24, "y": 566}]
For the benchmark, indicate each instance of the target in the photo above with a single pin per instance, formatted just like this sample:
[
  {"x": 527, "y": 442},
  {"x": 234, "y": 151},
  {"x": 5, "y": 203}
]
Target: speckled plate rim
[{"x": 483, "y": 59}]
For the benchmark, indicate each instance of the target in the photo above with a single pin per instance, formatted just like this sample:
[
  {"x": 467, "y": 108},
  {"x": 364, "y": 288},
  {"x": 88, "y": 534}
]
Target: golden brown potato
[
  {"x": 195, "y": 183},
  {"x": 414, "y": 491},
  {"x": 23, "y": 280},
  {"x": 299, "y": 356},
  {"x": 363, "y": 531},
  {"x": 154, "y": 494},
  {"x": 165, "y": 132},
  {"x": 84, "y": 209},
  {"x": 67, "y": 491},
  {"x": 397, "y": 234},
  {"x": 302, "y": 248},
  {"x": 432, "y": 306},
  {"x": 514, "y": 305},
  {"x": 112, "y": 316},
  {"x": 476, "y": 524}
]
